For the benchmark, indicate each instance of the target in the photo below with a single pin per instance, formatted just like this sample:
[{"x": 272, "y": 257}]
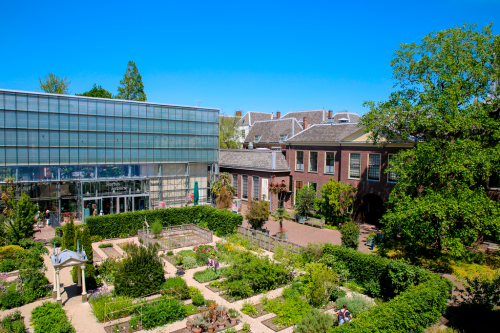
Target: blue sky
[{"x": 235, "y": 55}]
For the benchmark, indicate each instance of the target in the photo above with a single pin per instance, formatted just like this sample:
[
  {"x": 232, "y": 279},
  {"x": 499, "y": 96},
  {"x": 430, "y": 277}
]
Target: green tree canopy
[
  {"x": 229, "y": 132},
  {"x": 54, "y": 84},
  {"x": 97, "y": 91},
  {"x": 17, "y": 224},
  {"x": 336, "y": 200},
  {"x": 444, "y": 104},
  {"x": 132, "y": 88}
]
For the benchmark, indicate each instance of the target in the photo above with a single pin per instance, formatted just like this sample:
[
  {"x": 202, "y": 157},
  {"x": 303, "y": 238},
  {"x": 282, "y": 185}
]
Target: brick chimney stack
[
  {"x": 238, "y": 113},
  {"x": 330, "y": 114},
  {"x": 304, "y": 123},
  {"x": 278, "y": 114}
]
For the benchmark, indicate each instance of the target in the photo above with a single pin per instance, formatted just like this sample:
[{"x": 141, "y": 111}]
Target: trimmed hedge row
[
  {"x": 220, "y": 221},
  {"x": 412, "y": 311},
  {"x": 422, "y": 295},
  {"x": 394, "y": 276}
]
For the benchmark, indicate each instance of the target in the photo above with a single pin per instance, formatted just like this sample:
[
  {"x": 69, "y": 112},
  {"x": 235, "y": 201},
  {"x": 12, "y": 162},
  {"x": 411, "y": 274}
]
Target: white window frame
[
  {"x": 257, "y": 138},
  {"x": 281, "y": 135},
  {"x": 243, "y": 187},
  {"x": 330, "y": 152},
  {"x": 368, "y": 167},
  {"x": 349, "y": 171},
  {"x": 310, "y": 183},
  {"x": 389, "y": 172},
  {"x": 236, "y": 187},
  {"x": 297, "y": 151},
  {"x": 256, "y": 180},
  {"x": 309, "y": 162}
]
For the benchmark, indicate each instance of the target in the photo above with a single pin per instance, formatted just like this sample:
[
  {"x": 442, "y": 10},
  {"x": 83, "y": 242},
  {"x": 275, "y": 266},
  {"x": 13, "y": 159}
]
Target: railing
[
  {"x": 177, "y": 236},
  {"x": 265, "y": 241}
]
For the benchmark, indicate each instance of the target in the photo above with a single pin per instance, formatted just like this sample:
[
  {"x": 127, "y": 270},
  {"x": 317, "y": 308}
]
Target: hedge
[
  {"x": 412, "y": 311},
  {"x": 394, "y": 276},
  {"x": 220, "y": 221},
  {"x": 422, "y": 295}
]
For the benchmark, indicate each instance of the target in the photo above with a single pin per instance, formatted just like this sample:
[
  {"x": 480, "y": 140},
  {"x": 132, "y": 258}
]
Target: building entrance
[{"x": 115, "y": 205}]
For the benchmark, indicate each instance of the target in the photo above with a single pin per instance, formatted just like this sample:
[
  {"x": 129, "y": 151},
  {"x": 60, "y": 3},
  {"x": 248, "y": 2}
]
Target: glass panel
[
  {"x": 142, "y": 156},
  {"x": 126, "y": 109},
  {"x": 330, "y": 163},
  {"x": 91, "y": 108},
  {"x": 142, "y": 126},
  {"x": 134, "y": 110},
  {"x": 110, "y": 158},
  {"x": 101, "y": 155},
  {"x": 73, "y": 122},
  {"x": 92, "y": 158},
  {"x": 22, "y": 119},
  {"x": 157, "y": 126},
  {"x": 2, "y": 117},
  {"x": 92, "y": 123},
  {"x": 21, "y": 102},
  {"x": 101, "y": 108},
  {"x": 54, "y": 155},
  {"x": 53, "y": 104},
  {"x": 43, "y": 138},
  {"x": 67, "y": 172},
  {"x": 118, "y": 156},
  {"x": 110, "y": 108},
  {"x": 73, "y": 139},
  {"x": 373, "y": 166},
  {"x": 134, "y": 140},
  {"x": 118, "y": 140},
  {"x": 244, "y": 192},
  {"x": 126, "y": 155},
  {"x": 151, "y": 126},
  {"x": 54, "y": 121},
  {"x": 64, "y": 121},
  {"x": 110, "y": 137},
  {"x": 43, "y": 120},
  {"x": 355, "y": 165},
  {"x": 43, "y": 103},
  {"x": 101, "y": 139},
  {"x": 82, "y": 123},
  {"x": 101, "y": 124},
  {"x": 73, "y": 106},
  {"x": 82, "y": 139},
  {"x": 150, "y": 140},
  {"x": 142, "y": 111},
  {"x": 22, "y": 156},
  {"x": 22, "y": 137},
  {"x": 73, "y": 155},
  {"x": 164, "y": 112},
  {"x": 82, "y": 156},
  {"x": 44, "y": 156},
  {"x": 313, "y": 161},
  {"x": 134, "y": 155},
  {"x": 126, "y": 124},
  {"x": 63, "y": 105},
  {"x": 63, "y": 157},
  {"x": 54, "y": 139},
  {"x": 118, "y": 124},
  {"x": 142, "y": 141},
  {"x": 64, "y": 139},
  {"x": 33, "y": 155},
  {"x": 2, "y": 137},
  {"x": 32, "y": 103},
  {"x": 92, "y": 139},
  {"x": 10, "y": 101},
  {"x": 10, "y": 119}
]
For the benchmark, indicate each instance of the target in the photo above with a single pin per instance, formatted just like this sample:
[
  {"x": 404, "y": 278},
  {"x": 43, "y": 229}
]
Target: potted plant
[
  {"x": 279, "y": 215},
  {"x": 224, "y": 312},
  {"x": 246, "y": 328},
  {"x": 210, "y": 327},
  {"x": 178, "y": 259},
  {"x": 233, "y": 315},
  {"x": 221, "y": 322},
  {"x": 305, "y": 202},
  {"x": 189, "y": 324},
  {"x": 198, "y": 322}
]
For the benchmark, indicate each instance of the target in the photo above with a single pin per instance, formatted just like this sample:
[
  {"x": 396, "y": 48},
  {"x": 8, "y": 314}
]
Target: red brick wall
[
  {"x": 279, "y": 177},
  {"x": 380, "y": 188}
]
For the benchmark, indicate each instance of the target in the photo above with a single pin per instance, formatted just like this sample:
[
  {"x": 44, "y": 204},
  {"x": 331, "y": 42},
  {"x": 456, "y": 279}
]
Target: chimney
[
  {"x": 278, "y": 114},
  {"x": 238, "y": 113},
  {"x": 304, "y": 123},
  {"x": 330, "y": 114}
]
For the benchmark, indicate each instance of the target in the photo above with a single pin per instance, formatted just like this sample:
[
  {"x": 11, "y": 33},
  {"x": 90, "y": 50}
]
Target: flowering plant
[
  {"x": 3, "y": 276},
  {"x": 99, "y": 292},
  {"x": 213, "y": 263}
]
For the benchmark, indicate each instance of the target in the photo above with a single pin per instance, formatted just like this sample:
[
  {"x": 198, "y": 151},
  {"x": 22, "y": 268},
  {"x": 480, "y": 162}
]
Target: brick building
[{"x": 253, "y": 172}]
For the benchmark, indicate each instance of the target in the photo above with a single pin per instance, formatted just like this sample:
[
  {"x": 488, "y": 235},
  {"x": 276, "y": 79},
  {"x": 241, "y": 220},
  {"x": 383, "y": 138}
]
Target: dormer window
[
  {"x": 283, "y": 137},
  {"x": 257, "y": 138},
  {"x": 243, "y": 121},
  {"x": 343, "y": 120}
]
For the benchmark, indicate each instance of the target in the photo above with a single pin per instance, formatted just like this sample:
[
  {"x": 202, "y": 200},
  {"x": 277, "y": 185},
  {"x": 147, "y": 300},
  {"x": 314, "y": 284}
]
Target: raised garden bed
[
  {"x": 111, "y": 253},
  {"x": 269, "y": 323},
  {"x": 260, "y": 309},
  {"x": 228, "y": 325},
  {"x": 123, "y": 327}
]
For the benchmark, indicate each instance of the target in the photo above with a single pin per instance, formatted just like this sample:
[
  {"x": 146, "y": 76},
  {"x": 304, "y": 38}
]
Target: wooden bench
[{"x": 315, "y": 222}]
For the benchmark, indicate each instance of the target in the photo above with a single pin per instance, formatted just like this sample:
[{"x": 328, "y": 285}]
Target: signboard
[
  {"x": 116, "y": 186},
  {"x": 161, "y": 204}
]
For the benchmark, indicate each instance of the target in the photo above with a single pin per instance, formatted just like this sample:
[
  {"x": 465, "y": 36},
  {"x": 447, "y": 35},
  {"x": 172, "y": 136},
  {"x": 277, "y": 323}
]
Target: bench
[
  {"x": 315, "y": 222},
  {"x": 293, "y": 217}
]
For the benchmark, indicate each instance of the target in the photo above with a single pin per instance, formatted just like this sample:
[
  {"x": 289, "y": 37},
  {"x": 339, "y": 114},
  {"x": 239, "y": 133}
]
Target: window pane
[
  {"x": 73, "y": 122},
  {"x": 33, "y": 155},
  {"x": 126, "y": 109},
  {"x": 101, "y": 155},
  {"x": 73, "y": 106},
  {"x": 101, "y": 108},
  {"x": 54, "y": 120},
  {"x": 110, "y": 137},
  {"x": 54, "y": 104},
  {"x": 244, "y": 193},
  {"x": 142, "y": 126},
  {"x": 43, "y": 120},
  {"x": 101, "y": 139},
  {"x": 92, "y": 155},
  {"x": 313, "y": 161},
  {"x": 33, "y": 138},
  {"x": 92, "y": 123},
  {"x": 44, "y": 155},
  {"x": 110, "y": 124},
  {"x": 43, "y": 103},
  {"x": 64, "y": 139},
  {"x": 10, "y": 119},
  {"x": 255, "y": 187},
  {"x": 300, "y": 160},
  {"x": 22, "y": 119},
  {"x": 355, "y": 166},
  {"x": 134, "y": 140},
  {"x": 43, "y": 138},
  {"x": 83, "y": 123},
  {"x": 64, "y": 155},
  {"x": 21, "y": 102},
  {"x": 134, "y": 110},
  {"x": 82, "y": 139},
  {"x": 82, "y": 156},
  {"x": 110, "y": 108},
  {"x": 73, "y": 155},
  {"x": 92, "y": 139},
  {"x": 110, "y": 155},
  {"x": 373, "y": 166},
  {"x": 73, "y": 139},
  {"x": 330, "y": 162},
  {"x": 22, "y": 137},
  {"x": 54, "y": 155},
  {"x": 126, "y": 125},
  {"x": 118, "y": 156},
  {"x": 63, "y": 121},
  {"x": 101, "y": 124},
  {"x": 118, "y": 140},
  {"x": 22, "y": 155},
  {"x": 91, "y": 108},
  {"x": 134, "y": 125},
  {"x": 142, "y": 140},
  {"x": 54, "y": 138},
  {"x": 32, "y": 103},
  {"x": 118, "y": 124},
  {"x": 142, "y": 111}
]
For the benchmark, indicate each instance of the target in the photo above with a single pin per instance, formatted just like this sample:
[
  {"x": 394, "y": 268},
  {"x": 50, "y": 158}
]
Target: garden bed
[
  {"x": 227, "y": 325},
  {"x": 269, "y": 323},
  {"x": 123, "y": 327},
  {"x": 111, "y": 252}
]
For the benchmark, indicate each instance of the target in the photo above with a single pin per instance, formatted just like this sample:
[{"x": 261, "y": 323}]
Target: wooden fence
[
  {"x": 177, "y": 236},
  {"x": 266, "y": 241}
]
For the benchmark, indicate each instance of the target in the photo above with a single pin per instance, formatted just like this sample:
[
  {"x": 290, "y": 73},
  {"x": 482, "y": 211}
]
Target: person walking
[
  {"x": 94, "y": 213},
  {"x": 46, "y": 216},
  {"x": 344, "y": 315},
  {"x": 101, "y": 213}
]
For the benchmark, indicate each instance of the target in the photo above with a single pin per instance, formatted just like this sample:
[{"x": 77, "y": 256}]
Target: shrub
[
  {"x": 319, "y": 282},
  {"x": 105, "y": 245},
  {"x": 349, "y": 233},
  {"x": 315, "y": 322},
  {"x": 170, "y": 253},
  {"x": 482, "y": 291},
  {"x": 178, "y": 285},
  {"x": 68, "y": 241},
  {"x": 13, "y": 323},
  {"x": 9, "y": 265},
  {"x": 198, "y": 300},
  {"x": 162, "y": 313},
  {"x": 56, "y": 241},
  {"x": 304, "y": 202},
  {"x": 157, "y": 228},
  {"x": 337, "y": 293},
  {"x": 209, "y": 274},
  {"x": 220, "y": 221},
  {"x": 10, "y": 252},
  {"x": 372, "y": 288},
  {"x": 356, "y": 304},
  {"x": 189, "y": 262},
  {"x": 101, "y": 296},
  {"x": 249, "y": 309},
  {"x": 140, "y": 273},
  {"x": 412, "y": 311},
  {"x": 50, "y": 318},
  {"x": 257, "y": 213},
  {"x": 12, "y": 299},
  {"x": 289, "y": 312}
]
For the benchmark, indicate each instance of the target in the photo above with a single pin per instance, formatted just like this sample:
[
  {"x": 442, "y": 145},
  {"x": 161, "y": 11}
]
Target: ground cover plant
[
  {"x": 160, "y": 313},
  {"x": 107, "y": 270},
  {"x": 101, "y": 296},
  {"x": 290, "y": 310},
  {"x": 316, "y": 322},
  {"x": 250, "y": 274},
  {"x": 140, "y": 273},
  {"x": 220, "y": 221},
  {"x": 209, "y": 274},
  {"x": 179, "y": 287},
  {"x": 50, "y": 318},
  {"x": 13, "y": 323},
  {"x": 105, "y": 245}
]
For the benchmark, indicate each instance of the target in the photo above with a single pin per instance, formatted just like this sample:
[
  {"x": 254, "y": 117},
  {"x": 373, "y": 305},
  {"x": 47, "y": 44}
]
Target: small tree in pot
[
  {"x": 305, "y": 202},
  {"x": 279, "y": 215},
  {"x": 257, "y": 213}
]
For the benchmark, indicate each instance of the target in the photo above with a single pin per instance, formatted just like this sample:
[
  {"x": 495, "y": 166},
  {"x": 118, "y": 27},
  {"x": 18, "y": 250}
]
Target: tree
[
  {"x": 229, "y": 132},
  {"x": 225, "y": 199},
  {"x": 304, "y": 202},
  {"x": 257, "y": 213},
  {"x": 68, "y": 241},
  {"x": 336, "y": 200},
  {"x": 279, "y": 215},
  {"x": 19, "y": 220},
  {"x": 349, "y": 234},
  {"x": 97, "y": 91},
  {"x": 443, "y": 104},
  {"x": 82, "y": 238},
  {"x": 132, "y": 88},
  {"x": 54, "y": 84}
]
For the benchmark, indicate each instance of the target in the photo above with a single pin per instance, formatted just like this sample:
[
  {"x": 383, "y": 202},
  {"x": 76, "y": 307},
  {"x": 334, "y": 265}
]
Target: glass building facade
[{"x": 74, "y": 155}]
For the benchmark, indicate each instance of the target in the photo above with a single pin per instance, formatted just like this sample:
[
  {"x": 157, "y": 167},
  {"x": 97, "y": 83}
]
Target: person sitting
[{"x": 344, "y": 315}]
